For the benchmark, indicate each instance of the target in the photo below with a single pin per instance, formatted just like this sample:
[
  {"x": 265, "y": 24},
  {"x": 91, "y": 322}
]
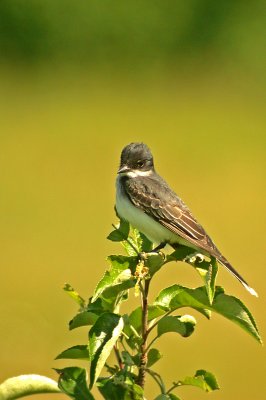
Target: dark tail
[{"x": 229, "y": 267}]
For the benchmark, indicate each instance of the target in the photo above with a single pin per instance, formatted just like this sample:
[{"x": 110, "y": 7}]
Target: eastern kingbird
[{"x": 146, "y": 201}]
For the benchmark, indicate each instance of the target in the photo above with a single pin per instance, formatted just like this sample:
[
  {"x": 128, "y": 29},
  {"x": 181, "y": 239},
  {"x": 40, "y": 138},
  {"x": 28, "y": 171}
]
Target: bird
[{"x": 146, "y": 202}]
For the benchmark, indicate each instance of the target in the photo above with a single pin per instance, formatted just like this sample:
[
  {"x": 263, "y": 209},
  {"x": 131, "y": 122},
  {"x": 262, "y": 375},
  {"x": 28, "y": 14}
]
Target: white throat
[{"x": 136, "y": 172}]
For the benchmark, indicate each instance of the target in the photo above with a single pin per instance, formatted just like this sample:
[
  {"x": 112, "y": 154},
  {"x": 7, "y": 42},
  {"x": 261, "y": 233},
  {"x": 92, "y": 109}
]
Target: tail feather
[{"x": 229, "y": 267}]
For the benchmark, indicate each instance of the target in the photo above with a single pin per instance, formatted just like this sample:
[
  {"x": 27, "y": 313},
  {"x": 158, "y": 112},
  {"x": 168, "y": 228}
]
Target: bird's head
[{"x": 136, "y": 160}]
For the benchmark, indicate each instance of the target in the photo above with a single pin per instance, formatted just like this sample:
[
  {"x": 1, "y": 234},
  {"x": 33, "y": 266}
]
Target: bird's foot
[{"x": 157, "y": 250}]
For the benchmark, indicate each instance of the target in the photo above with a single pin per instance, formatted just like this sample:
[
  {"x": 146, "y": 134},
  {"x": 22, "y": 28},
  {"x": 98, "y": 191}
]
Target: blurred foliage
[{"x": 131, "y": 32}]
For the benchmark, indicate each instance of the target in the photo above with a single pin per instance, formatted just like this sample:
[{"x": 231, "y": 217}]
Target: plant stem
[
  {"x": 143, "y": 349},
  {"x": 175, "y": 385},
  {"x": 158, "y": 380},
  {"x": 156, "y": 323}
]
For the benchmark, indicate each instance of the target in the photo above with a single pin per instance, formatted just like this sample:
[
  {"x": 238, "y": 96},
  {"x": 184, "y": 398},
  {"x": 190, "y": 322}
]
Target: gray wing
[{"x": 157, "y": 200}]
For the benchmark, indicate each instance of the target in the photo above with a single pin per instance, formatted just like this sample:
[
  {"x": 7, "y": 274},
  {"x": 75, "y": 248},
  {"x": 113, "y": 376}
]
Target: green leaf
[
  {"x": 134, "y": 318},
  {"x": 82, "y": 319},
  {"x": 116, "y": 236},
  {"x": 26, "y": 385},
  {"x": 102, "y": 338},
  {"x": 133, "y": 323},
  {"x": 153, "y": 356},
  {"x": 129, "y": 247},
  {"x": 120, "y": 233},
  {"x": 172, "y": 396},
  {"x": 233, "y": 309},
  {"x": 120, "y": 387},
  {"x": 120, "y": 271},
  {"x": 230, "y": 307},
  {"x": 72, "y": 382},
  {"x": 180, "y": 254},
  {"x": 208, "y": 271},
  {"x": 184, "y": 325},
  {"x": 202, "y": 379},
  {"x": 79, "y": 352},
  {"x": 74, "y": 295},
  {"x": 136, "y": 239},
  {"x": 140, "y": 241},
  {"x": 146, "y": 244},
  {"x": 127, "y": 358}
]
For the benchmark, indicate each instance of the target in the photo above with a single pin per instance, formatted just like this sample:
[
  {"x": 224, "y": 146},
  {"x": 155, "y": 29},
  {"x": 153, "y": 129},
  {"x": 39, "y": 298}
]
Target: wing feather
[
  {"x": 157, "y": 200},
  {"x": 154, "y": 197}
]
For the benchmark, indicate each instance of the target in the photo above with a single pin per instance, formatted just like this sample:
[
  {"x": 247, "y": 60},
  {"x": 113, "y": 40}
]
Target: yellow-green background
[{"x": 64, "y": 118}]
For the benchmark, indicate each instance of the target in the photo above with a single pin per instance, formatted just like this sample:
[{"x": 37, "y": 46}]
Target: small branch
[
  {"x": 175, "y": 385},
  {"x": 143, "y": 349},
  {"x": 157, "y": 379},
  {"x": 156, "y": 323}
]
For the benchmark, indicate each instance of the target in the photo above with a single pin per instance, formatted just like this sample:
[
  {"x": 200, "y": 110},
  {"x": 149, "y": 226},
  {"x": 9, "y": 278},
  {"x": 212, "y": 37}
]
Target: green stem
[
  {"x": 157, "y": 379},
  {"x": 175, "y": 385},
  {"x": 156, "y": 323}
]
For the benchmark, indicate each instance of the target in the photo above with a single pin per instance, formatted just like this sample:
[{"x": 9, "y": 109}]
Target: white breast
[{"x": 138, "y": 219}]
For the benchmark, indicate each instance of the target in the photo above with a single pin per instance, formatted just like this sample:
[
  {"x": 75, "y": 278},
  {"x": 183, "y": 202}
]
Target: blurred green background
[{"x": 78, "y": 81}]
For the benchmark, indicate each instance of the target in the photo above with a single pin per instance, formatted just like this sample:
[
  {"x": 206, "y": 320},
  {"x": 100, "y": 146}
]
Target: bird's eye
[{"x": 140, "y": 164}]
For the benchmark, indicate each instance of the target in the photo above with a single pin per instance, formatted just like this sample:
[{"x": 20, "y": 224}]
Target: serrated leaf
[
  {"x": 146, "y": 244},
  {"x": 136, "y": 239},
  {"x": 79, "y": 352},
  {"x": 102, "y": 338},
  {"x": 153, "y": 356},
  {"x": 230, "y": 307},
  {"x": 72, "y": 382},
  {"x": 129, "y": 247},
  {"x": 184, "y": 325},
  {"x": 118, "y": 272},
  {"x": 202, "y": 379},
  {"x": 74, "y": 295},
  {"x": 82, "y": 319}
]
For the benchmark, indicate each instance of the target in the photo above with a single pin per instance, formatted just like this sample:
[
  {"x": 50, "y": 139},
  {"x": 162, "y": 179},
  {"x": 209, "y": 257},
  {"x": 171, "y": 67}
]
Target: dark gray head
[{"x": 136, "y": 157}]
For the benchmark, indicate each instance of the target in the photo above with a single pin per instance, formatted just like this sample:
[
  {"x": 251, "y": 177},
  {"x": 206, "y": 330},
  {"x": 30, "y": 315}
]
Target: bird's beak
[{"x": 122, "y": 169}]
